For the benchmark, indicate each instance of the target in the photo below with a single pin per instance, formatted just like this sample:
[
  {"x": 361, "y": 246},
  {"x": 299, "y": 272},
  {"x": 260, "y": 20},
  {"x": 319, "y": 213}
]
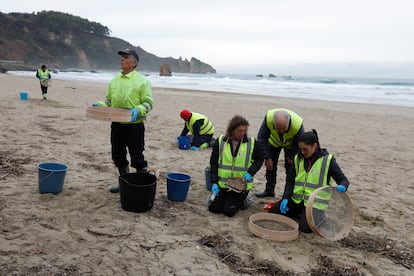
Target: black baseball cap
[{"x": 129, "y": 52}]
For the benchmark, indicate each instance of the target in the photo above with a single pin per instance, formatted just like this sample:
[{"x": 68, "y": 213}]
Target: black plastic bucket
[{"x": 137, "y": 191}]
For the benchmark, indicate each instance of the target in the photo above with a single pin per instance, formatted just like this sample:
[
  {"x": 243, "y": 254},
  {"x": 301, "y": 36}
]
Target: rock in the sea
[{"x": 165, "y": 70}]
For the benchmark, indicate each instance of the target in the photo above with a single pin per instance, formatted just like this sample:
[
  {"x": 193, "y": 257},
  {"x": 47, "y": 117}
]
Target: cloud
[{"x": 245, "y": 33}]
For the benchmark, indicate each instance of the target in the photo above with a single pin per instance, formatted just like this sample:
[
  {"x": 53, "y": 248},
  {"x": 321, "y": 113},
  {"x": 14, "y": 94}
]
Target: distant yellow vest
[
  {"x": 42, "y": 75},
  {"x": 287, "y": 138},
  {"x": 206, "y": 128},
  {"x": 230, "y": 166},
  {"x": 307, "y": 182}
]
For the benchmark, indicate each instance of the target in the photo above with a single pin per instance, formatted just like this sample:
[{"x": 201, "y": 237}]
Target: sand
[{"x": 84, "y": 231}]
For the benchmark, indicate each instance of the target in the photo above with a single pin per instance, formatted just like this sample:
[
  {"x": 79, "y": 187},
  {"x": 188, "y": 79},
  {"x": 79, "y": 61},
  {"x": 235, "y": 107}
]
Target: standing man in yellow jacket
[
  {"x": 201, "y": 128},
  {"x": 43, "y": 74},
  {"x": 280, "y": 129},
  {"x": 131, "y": 90}
]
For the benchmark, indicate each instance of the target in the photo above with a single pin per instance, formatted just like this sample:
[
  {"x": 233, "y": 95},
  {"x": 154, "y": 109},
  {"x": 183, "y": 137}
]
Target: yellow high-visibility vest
[
  {"x": 287, "y": 138},
  {"x": 307, "y": 182},
  {"x": 230, "y": 166},
  {"x": 206, "y": 128},
  {"x": 42, "y": 74}
]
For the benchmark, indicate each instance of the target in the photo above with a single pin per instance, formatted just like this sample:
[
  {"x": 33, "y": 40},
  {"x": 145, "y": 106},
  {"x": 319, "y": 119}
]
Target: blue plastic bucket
[
  {"x": 137, "y": 191},
  {"x": 207, "y": 176},
  {"x": 177, "y": 186},
  {"x": 23, "y": 96},
  {"x": 51, "y": 177},
  {"x": 184, "y": 142}
]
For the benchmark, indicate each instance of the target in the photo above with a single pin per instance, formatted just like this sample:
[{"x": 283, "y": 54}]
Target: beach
[{"x": 84, "y": 231}]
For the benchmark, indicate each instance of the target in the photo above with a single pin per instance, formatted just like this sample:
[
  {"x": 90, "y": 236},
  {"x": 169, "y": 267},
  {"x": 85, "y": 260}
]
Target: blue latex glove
[
  {"x": 283, "y": 206},
  {"x": 134, "y": 115},
  {"x": 341, "y": 188},
  {"x": 194, "y": 148},
  {"x": 215, "y": 189},
  {"x": 96, "y": 104},
  {"x": 248, "y": 177}
]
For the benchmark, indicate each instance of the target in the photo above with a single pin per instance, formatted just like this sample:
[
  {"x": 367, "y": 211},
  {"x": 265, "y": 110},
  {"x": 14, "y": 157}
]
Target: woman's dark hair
[
  {"x": 309, "y": 138},
  {"x": 234, "y": 123}
]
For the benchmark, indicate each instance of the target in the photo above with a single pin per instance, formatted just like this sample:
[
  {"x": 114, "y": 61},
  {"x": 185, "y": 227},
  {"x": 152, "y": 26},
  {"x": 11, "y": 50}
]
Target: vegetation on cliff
[{"x": 65, "y": 41}]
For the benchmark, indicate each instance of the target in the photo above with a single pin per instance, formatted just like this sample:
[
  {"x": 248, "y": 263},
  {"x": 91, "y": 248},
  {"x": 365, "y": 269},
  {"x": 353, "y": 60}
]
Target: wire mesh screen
[{"x": 330, "y": 213}]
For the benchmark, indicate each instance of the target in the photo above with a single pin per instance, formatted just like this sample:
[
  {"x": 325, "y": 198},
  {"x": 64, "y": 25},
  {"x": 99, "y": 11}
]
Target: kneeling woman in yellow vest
[
  {"x": 234, "y": 155},
  {"x": 314, "y": 167}
]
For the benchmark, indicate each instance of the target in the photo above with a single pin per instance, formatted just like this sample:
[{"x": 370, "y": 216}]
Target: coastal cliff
[{"x": 64, "y": 41}]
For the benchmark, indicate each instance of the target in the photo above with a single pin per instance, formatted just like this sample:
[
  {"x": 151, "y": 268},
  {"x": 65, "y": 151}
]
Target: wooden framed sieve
[
  {"x": 236, "y": 184},
  {"x": 333, "y": 219},
  {"x": 270, "y": 234},
  {"x": 105, "y": 113},
  {"x": 46, "y": 82}
]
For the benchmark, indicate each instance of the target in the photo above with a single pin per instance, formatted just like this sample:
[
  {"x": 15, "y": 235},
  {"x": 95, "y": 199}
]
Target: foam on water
[{"x": 399, "y": 92}]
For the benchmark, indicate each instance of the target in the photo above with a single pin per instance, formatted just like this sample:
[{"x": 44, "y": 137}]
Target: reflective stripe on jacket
[
  {"x": 287, "y": 138},
  {"x": 307, "y": 182},
  {"x": 232, "y": 167},
  {"x": 206, "y": 128}
]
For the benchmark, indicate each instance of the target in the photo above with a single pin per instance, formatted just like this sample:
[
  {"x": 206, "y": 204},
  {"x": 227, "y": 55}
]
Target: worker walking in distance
[{"x": 44, "y": 76}]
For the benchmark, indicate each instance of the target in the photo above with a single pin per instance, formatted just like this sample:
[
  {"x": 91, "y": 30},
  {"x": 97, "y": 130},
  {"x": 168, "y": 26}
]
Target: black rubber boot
[
  {"x": 270, "y": 188},
  {"x": 265, "y": 193},
  {"x": 142, "y": 170},
  {"x": 122, "y": 171}
]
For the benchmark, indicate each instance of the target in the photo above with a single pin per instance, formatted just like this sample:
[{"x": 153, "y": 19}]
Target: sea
[{"x": 382, "y": 91}]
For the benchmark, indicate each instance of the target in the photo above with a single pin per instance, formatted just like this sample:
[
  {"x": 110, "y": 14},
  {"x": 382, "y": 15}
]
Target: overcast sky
[{"x": 349, "y": 38}]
